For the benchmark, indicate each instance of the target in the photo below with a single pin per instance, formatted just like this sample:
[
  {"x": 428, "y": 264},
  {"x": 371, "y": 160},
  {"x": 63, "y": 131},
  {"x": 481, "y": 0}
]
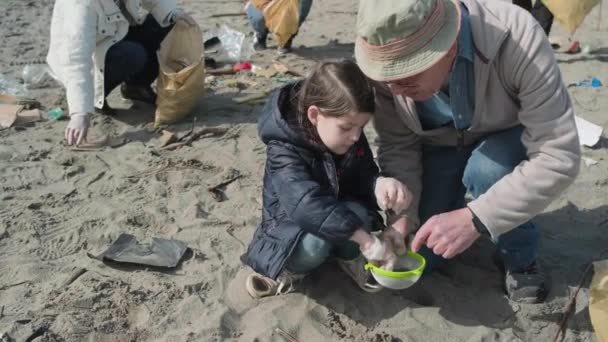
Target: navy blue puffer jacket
[{"x": 304, "y": 188}]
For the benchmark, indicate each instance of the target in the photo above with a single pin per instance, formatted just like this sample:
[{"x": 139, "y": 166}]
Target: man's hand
[
  {"x": 76, "y": 131},
  {"x": 447, "y": 234},
  {"x": 392, "y": 194}
]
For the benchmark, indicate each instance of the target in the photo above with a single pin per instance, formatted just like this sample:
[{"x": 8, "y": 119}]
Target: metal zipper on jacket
[{"x": 333, "y": 173}]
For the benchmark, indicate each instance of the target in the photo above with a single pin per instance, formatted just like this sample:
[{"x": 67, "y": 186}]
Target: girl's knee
[{"x": 309, "y": 254}]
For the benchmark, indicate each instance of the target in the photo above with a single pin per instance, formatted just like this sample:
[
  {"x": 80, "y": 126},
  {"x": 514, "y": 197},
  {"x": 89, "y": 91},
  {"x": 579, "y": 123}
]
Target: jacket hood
[{"x": 272, "y": 120}]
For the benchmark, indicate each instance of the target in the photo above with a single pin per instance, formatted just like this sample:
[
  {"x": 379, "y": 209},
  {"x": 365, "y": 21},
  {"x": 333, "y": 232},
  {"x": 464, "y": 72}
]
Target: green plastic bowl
[{"x": 411, "y": 261}]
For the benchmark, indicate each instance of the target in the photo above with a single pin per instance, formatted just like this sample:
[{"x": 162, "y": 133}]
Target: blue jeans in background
[
  {"x": 256, "y": 18},
  {"x": 133, "y": 60},
  {"x": 450, "y": 172},
  {"x": 311, "y": 251}
]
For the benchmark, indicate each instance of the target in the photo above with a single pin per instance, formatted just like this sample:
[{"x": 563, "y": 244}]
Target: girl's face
[{"x": 338, "y": 134}]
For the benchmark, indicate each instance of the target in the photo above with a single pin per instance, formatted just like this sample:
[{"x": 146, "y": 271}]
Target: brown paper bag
[
  {"x": 181, "y": 79},
  {"x": 598, "y": 300},
  {"x": 282, "y": 18},
  {"x": 570, "y": 13}
]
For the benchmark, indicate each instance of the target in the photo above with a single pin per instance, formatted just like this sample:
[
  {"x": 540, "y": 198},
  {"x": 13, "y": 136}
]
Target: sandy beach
[{"x": 59, "y": 206}]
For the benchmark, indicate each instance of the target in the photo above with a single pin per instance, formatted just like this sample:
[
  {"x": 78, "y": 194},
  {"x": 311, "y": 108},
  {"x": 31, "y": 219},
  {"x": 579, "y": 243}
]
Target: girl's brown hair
[{"x": 338, "y": 88}]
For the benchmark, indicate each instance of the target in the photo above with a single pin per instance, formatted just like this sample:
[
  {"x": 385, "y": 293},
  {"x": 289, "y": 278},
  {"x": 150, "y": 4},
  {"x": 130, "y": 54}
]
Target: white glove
[
  {"x": 381, "y": 253},
  {"x": 392, "y": 194},
  {"x": 396, "y": 239},
  {"x": 76, "y": 131}
]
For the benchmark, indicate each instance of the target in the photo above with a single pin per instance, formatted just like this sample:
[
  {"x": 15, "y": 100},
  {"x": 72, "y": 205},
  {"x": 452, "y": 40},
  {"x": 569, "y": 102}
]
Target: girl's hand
[
  {"x": 379, "y": 252},
  {"x": 396, "y": 239},
  {"x": 392, "y": 194}
]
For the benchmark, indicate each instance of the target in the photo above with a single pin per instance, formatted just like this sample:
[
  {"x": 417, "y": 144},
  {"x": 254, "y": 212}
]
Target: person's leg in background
[
  {"x": 256, "y": 19},
  {"x": 525, "y": 4},
  {"x": 492, "y": 159},
  {"x": 442, "y": 188},
  {"x": 149, "y": 35},
  {"x": 305, "y": 6},
  {"x": 123, "y": 60},
  {"x": 541, "y": 13}
]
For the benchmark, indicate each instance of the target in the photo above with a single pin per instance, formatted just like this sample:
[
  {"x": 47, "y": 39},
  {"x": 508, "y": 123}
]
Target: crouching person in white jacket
[{"x": 97, "y": 45}]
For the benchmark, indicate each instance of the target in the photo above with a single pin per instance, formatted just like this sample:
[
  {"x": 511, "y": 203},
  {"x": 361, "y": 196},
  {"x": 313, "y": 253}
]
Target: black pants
[
  {"x": 133, "y": 60},
  {"x": 539, "y": 11}
]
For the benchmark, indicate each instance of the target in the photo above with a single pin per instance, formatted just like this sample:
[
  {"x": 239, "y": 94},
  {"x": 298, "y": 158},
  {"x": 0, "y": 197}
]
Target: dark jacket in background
[{"x": 304, "y": 188}]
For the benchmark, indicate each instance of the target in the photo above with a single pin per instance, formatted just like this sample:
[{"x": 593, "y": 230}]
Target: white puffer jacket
[{"x": 82, "y": 31}]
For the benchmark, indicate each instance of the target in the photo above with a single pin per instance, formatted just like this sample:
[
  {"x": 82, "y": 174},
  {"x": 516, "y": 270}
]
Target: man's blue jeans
[
  {"x": 256, "y": 18},
  {"x": 450, "y": 172},
  {"x": 311, "y": 251},
  {"x": 133, "y": 60}
]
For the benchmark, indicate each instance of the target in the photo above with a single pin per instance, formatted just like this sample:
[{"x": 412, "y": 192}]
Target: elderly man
[
  {"x": 97, "y": 45},
  {"x": 470, "y": 98}
]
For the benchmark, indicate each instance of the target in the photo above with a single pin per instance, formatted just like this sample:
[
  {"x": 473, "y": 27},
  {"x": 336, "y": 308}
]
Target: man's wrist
[
  {"x": 401, "y": 225},
  {"x": 479, "y": 226}
]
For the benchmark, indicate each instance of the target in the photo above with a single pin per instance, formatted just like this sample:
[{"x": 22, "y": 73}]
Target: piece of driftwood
[
  {"x": 220, "y": 15},
  {"x": 75, "y": 275},
  {"x": 217, "y": 183},
  {"x": 561, "y": 326},
  {"x": 213, "y": 131},
  {"x": 285, "y": 335}
]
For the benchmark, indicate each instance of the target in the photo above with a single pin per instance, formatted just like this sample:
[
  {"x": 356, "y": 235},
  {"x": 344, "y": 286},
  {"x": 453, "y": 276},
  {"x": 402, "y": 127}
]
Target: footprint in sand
[{"x": 59, "y": 242}]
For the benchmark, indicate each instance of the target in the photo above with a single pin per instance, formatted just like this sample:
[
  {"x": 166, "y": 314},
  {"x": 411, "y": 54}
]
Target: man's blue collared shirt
[{"x": 455, "y": 102}]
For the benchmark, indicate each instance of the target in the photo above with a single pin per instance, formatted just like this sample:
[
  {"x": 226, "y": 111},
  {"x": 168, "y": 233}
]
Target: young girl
[{"x": 321, "y": 185}]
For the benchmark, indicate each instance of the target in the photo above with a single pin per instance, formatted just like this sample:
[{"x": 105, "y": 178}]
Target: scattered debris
[
  {"x": 29, "y": 116},
  {"x": 167, "y": 138},
  {"x": 220, "y": 181},
  {"x": 55, "y": 114},
  {"x": 194, "y": 135},
  {"x": 264, "y": 72},
  {"x": 594, "y": 82},
  {"x": 75, "y": 275},
  {"x": 103, "y": 161},
  {"x": 225, "y": 70},
  {"x": 242, "y": 66},
  {"x": 288, "y": 337},
  {"x": 15, "y": 114},
  {"x": 235, "y": 84},
  {"x": 11, "y": 86},
  {"x": 27, "y": 103},
  {"x": 96, "y": 178},
  {"x": 190, "y": 164},
  {"x": 15, "y": 284},
  {"x": 37, "y": 76},
  {"x": 220, "y": 15},
  {"x": 8, "y": 114},
  {"x": 158, "y": 253},
  {"x": 283, "y": 69},
  {"x": 589, "y": 162},
  {"x": 588, "y": 133}
]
